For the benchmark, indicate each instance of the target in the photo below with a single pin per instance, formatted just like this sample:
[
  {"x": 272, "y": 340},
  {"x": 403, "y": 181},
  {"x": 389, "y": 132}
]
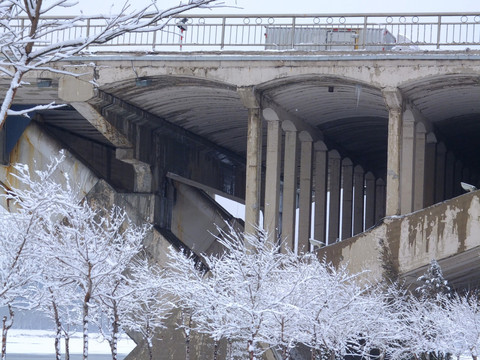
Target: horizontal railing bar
[
  {"x": 240, "y": 16},
  {"x": 303, "y": 32}
]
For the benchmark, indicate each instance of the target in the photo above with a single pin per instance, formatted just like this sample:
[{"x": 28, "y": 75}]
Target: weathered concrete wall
[
  {"x": 253, "y": 69},
  {"x": 406, "y": 243},
  {"x": 437, "y": 232},
  {"x": 196, "y": 217},
  {"x": 36, "y": 148}
]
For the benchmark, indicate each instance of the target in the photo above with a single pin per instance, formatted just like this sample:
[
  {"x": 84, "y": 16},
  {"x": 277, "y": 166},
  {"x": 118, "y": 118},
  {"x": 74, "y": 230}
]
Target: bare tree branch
[{"x": 29, "y": 43}]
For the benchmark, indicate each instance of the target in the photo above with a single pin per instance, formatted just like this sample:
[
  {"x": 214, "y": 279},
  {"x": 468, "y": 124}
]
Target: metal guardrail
[{"x": 422, "y": 31}]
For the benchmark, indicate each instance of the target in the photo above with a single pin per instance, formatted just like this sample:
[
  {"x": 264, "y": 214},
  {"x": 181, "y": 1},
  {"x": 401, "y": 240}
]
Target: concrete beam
[
  {"x": 394, "y": 102},
  {"x": 429, "y": 184},
  {"x": 77, "y": 89},
  {"x": 440, "y": 159},
  {"x": 305, "y": 201},
  {"x": 358, "y": 183},
  {"x": 272, "y": 177},
  {"x": 369, "y": 200},
  {"x": 248, "y": 96},
  {"x": 143, "y": 173},
  {"x": 347, "y": 203},
  {"x": 334, "y": 165},
  {"x": 254, "y": 159},
  {"x": 420, "y": 151},
  {"x": 321, "y": 172},
  {"x": 407, "y": 166},
  {"x": 111, "y": 133},
  {"x": 124, "y": 148},
  {"x": 289, "y": 185}
]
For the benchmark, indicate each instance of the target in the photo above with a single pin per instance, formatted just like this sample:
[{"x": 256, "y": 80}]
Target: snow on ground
[{"x": 42, "y": 342}]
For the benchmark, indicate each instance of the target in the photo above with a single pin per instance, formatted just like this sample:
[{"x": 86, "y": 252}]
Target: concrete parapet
[{"x": 405, "y": 245}]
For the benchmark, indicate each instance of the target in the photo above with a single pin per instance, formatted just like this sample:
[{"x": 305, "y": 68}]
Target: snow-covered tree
[
  {"x": 236, "y": 298},
  {"x": 460, "y": 328},
  {"x": 188, "y": 283},
  {"x": 58, "y": 301},
  {"x": 255, "y": 295},
  {"x": 333, "y": 320},
  {"x": 64, "y": 256},
  {"x": 35, "y": 44},
  {"x": 432, "y": 282},
  {"x": 136, "y": 302},
  {"x": 37, "y": 203},
  {"x": 92, "y": 249}
]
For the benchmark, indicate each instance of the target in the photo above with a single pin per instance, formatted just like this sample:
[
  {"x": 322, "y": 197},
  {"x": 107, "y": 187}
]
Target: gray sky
[{"x": 305, "y": 6}]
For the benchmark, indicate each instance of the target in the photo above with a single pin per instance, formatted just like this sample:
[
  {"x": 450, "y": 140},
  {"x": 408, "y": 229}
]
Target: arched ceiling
[
  {"x": 319, "y": 100},
  {"x": 451, "y": 103},
  {"x": 210, "y": 109},
  {"x": 445, "y": 97},
  {"x": 352, "y": 116}
]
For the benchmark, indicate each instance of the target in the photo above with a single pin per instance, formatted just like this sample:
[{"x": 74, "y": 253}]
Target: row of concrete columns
[
  {"x": 345, "y": 199},
  {"x": 420, "y": 169}
]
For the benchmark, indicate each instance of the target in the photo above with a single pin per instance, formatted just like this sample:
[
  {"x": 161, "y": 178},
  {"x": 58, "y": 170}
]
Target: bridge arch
[
  {"x": 208, "y": 108},
  {"x": 448, "y": 105},
  {"x": 350, "y": 114}
]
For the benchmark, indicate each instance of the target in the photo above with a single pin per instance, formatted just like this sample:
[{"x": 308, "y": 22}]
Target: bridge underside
[{"x": 339, "y": 149}]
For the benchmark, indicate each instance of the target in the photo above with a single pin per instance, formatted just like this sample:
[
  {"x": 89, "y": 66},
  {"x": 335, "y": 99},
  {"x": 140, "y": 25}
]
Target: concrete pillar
[
  {"x": 358, "y": 183},
  {"x": 347, "y": 200},
  {"x": 419, "y": 182},
  {"x": 254, "y": 159},
  {"x": 379, "y": 200},
  {"x": 458, "y": 178},
  {"x": 369, "y": 200},
  {"x": 305, "y": 200},
  {"x": 394, "y": 102},
  {"x": 429, "y": 185},
  {"x": 334, "y": 165},
  {"x": 440, "y": 172},
  {"x": 272, "y": 174},
  {"x": 407, "y": 163},
  {"x": 466, "y": 176},
  {"x": 321, "y": 173},
  {"x": 289, "y": 185},
  {"x": 449, "y": 174}
]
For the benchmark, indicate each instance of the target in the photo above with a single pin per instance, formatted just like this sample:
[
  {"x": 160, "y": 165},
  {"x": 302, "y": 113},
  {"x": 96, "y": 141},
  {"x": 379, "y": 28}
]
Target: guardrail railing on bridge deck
[{"x": 375, "y": 32}]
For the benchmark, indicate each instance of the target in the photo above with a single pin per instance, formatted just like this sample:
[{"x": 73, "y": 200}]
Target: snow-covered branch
[{"x": 29, "y": 39}]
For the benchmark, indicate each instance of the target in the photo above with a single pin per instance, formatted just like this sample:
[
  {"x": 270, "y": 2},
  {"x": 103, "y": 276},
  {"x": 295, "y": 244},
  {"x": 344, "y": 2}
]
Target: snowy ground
[{"x": 39, "y": 344}]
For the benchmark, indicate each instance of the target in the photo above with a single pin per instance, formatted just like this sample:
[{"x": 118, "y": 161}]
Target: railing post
[
  {"x": 364, "y": 35},
  {"x": 293, "y": 31},
  {"x": 154, "y": 40},
  {"x": 88, "y": 29},
  {"x": 439, "y": 26},
  {"x": 222, "y": 41}
]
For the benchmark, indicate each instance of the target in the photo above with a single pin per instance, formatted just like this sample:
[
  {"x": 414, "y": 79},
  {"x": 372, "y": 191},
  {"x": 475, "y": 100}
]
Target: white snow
[{"x": 42, "y": 342}]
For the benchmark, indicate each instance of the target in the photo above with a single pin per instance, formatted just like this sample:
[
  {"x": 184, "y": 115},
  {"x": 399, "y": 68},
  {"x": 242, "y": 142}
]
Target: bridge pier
[
  {"x": 253, "y": 160},
  {"x": 272, "y": 176},
  {"x": 289, "y": 185},
  {"x": 321, "y": 178},
  {"x": 394, "y": 102}
]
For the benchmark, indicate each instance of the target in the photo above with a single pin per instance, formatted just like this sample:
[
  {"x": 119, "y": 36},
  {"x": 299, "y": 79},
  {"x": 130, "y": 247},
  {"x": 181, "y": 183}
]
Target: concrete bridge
[{"x": 363, "y": 150}]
